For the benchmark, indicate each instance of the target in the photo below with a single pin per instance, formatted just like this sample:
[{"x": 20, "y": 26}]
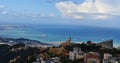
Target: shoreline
[{"x": 58, "y": 42}]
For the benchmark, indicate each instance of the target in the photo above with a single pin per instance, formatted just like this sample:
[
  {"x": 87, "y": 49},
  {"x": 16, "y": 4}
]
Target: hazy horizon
[{"x": 101, "y": 13}]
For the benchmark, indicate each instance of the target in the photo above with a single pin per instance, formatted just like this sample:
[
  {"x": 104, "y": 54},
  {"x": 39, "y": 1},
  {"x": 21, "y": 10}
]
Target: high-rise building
[{"x": 107, "y": 44}]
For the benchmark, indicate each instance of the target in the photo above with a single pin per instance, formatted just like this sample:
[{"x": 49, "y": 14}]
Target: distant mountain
[
  {"x": 11, "y": 27},
  {"x": 22, "y": 40}
]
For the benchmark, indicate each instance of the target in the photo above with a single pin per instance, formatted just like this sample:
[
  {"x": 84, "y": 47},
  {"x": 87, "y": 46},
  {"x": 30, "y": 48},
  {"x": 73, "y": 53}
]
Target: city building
[
  {"x": 76, "y": 54},
  {"x": 118, "y": 48},
  {"x": 77, "y": 50},
  {"x": 107, "y": 44},
  {"x": 39, "y": 60},
  {"x": 107, "y": 58},
  {"x": 67, "y": 43},
  {"x": 117, "y": 58},
  {"x": 92, "y": 57}
]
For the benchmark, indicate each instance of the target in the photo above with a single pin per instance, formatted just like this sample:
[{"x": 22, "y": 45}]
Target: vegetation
[
  {"x": 85, "y": 47},
  {"x": 29, "y": 54},
  {"x": 21, "y": 55}
]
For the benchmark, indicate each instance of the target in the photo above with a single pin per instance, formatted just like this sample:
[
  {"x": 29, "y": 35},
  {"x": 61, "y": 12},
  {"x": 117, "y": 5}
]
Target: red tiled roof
[
  {"x": 91, "y": 55},
  {"x": 118, "y": 55}
]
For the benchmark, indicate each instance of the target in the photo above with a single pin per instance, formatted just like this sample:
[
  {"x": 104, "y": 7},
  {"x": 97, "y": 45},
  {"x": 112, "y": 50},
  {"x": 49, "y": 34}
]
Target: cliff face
[
  {"x": 67, "y": 43},
  {"x": 58, "y": 51},
  {"x": 61, "y": 50}
]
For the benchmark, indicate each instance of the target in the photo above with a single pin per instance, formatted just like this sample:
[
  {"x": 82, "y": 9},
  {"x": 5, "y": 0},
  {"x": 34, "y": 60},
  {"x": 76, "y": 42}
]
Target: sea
[{"x": 60, "y": 33}]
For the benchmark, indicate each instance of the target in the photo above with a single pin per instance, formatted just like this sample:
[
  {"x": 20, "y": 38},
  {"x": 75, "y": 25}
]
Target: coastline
[{"x": 57, "y": 43}]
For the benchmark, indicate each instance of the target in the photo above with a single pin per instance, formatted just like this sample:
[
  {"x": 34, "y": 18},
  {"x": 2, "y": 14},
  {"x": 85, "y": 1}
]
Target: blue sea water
[{"x": 59, "y": 33}]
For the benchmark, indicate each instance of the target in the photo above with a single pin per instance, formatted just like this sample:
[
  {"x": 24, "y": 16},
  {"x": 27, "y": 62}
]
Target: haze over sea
[{"x": 59, "y": 33}]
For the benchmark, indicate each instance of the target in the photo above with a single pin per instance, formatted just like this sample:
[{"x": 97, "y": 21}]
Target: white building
[
  {"x": 71, "y": 55},
  {"x": 77, "y": 50},
  {"x": 107, "y": 56},
  {"x": 76, "y": 54}
]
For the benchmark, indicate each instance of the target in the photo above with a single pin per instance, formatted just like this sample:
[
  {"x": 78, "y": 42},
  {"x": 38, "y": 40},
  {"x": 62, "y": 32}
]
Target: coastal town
[
  {"x": 66, "y": 52},
  {"x": 59, "y": 31}
]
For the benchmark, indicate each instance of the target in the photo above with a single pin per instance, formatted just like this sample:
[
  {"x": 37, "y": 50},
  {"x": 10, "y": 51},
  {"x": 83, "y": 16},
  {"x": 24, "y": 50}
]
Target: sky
[{"x": 97, "y": 13}]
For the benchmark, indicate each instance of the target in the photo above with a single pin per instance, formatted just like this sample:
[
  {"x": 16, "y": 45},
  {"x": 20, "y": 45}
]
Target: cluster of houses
[
  {"x": 93, "y": 57},
  {"x": 89, "y": 57},
  {"x": 77, "y": 53},
  {"x": 51, "y": 60}
]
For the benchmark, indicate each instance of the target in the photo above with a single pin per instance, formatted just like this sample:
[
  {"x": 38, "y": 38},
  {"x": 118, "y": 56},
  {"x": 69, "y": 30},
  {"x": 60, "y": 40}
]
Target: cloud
[
  {"x": 69, "y": 8},
  {"x": 4, "y": 12},
  {"x": 2, "y": 9},
  {"x": 2, "y": 6},
  {"x": 51, "y": 15},
  {"x": 27, "y": 14}
]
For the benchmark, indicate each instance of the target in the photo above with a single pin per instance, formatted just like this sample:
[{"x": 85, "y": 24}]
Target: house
[
  {"x": 117, "y": 58},
  {"x": 91, "y": 57},
  {"x": 76, "y": 54},
  {"x": 107, "y": 58},
  {"x": 39, "y": 60}
]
